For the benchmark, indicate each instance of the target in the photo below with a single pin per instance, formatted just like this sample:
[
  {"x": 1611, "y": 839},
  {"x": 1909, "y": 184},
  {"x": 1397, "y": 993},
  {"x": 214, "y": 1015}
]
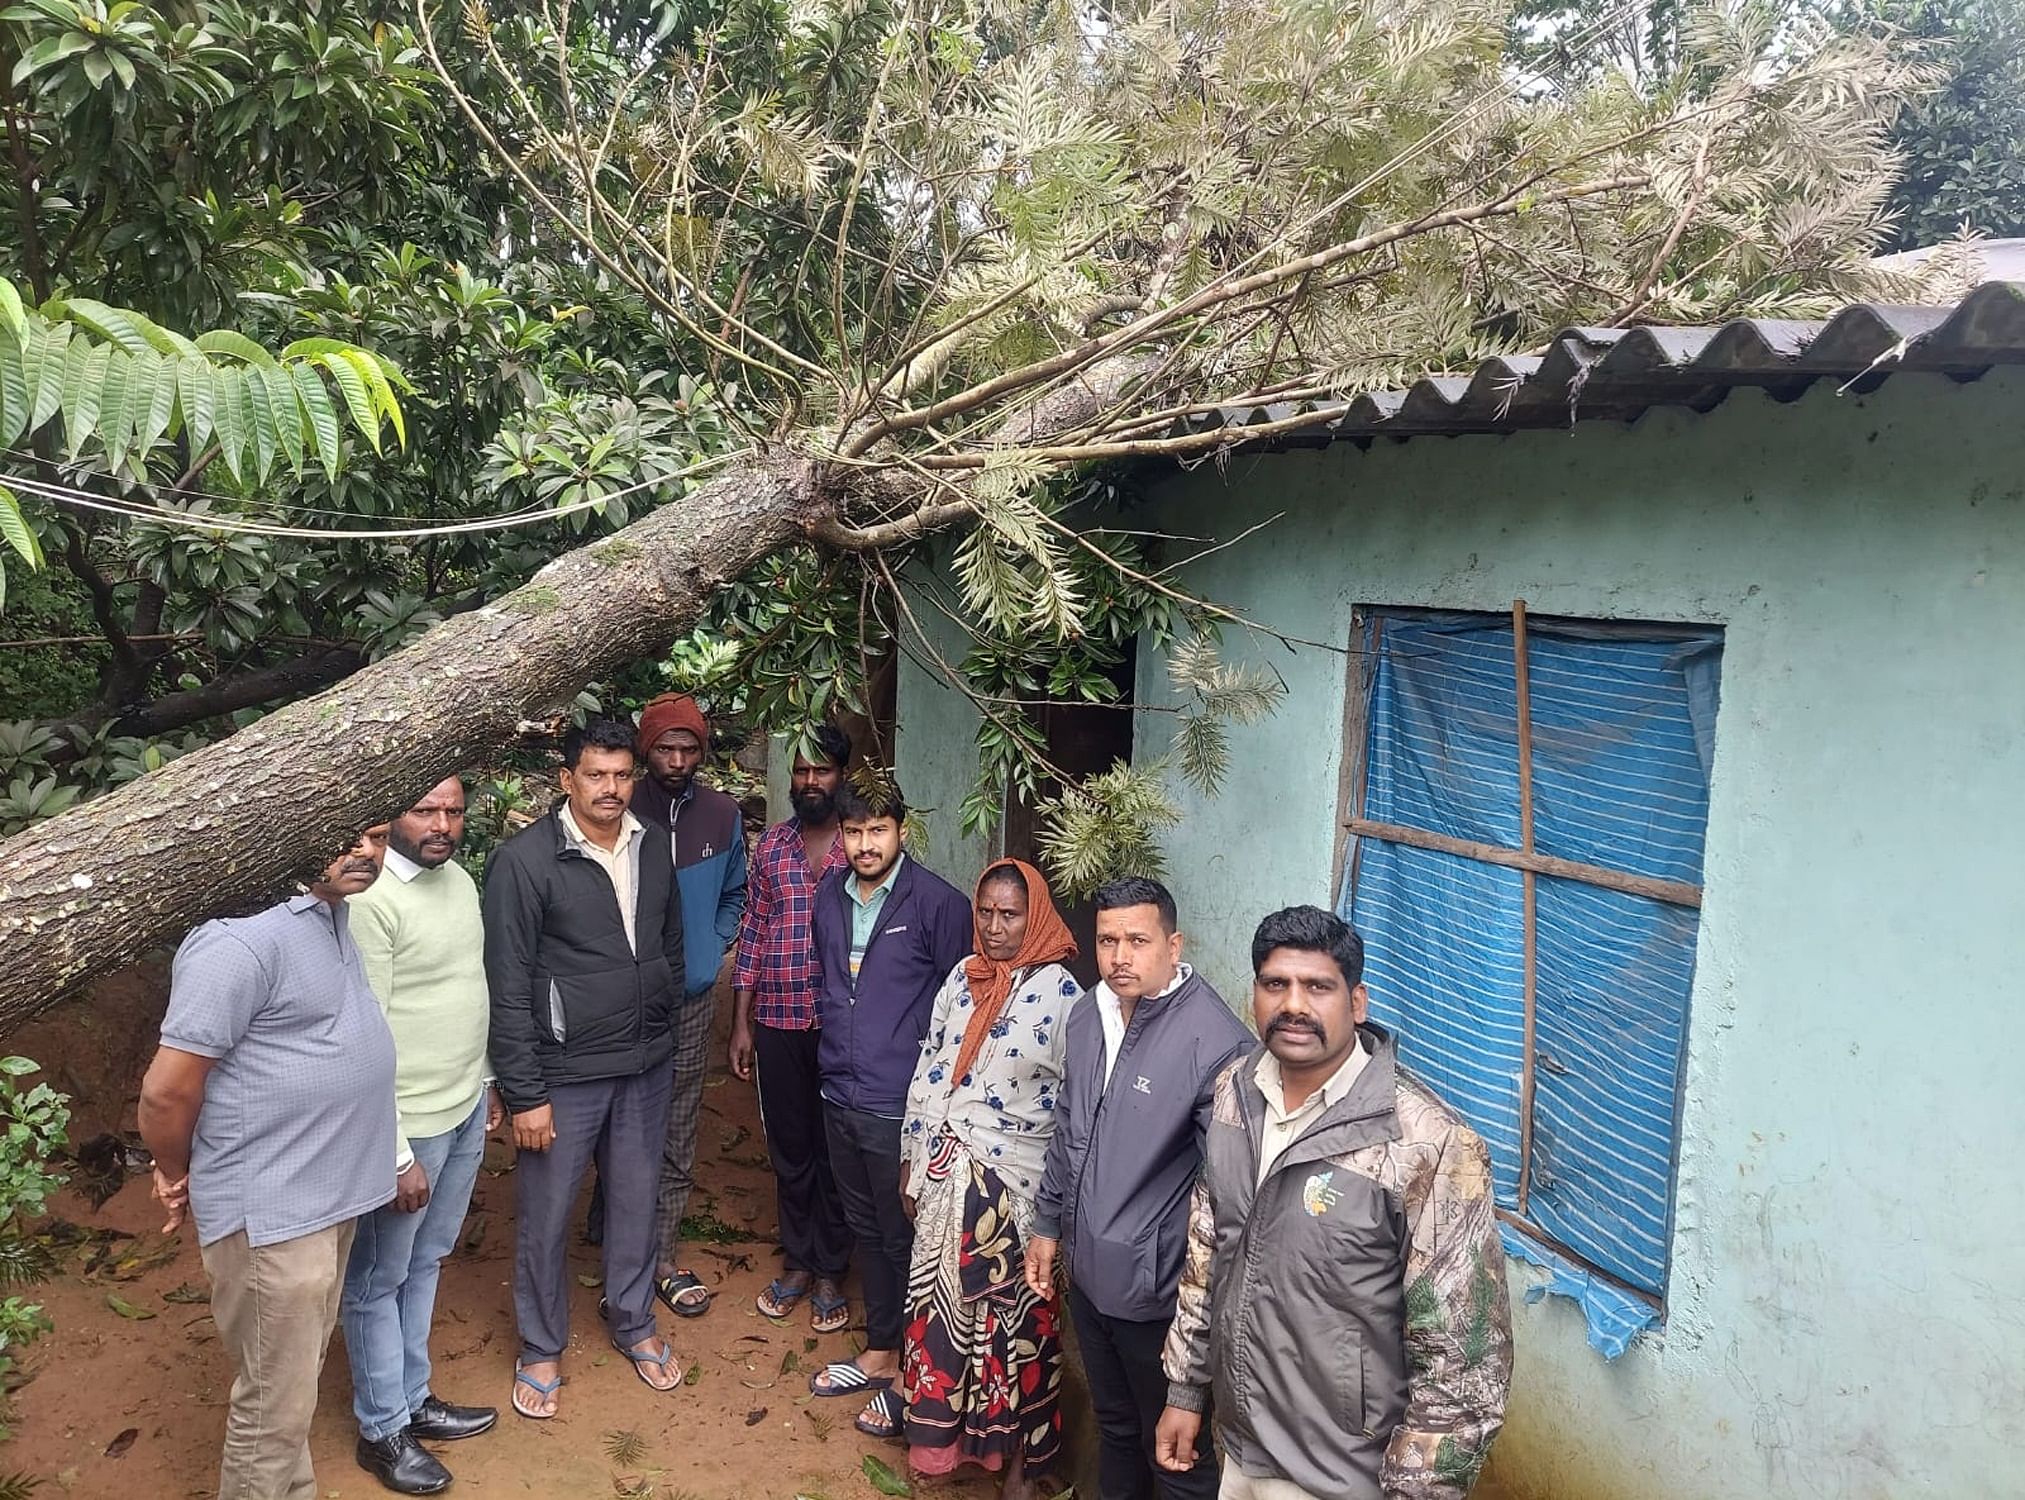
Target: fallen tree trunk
[
  {"x": 225, "y": 827},
  {"x": 233, "y": 823}
]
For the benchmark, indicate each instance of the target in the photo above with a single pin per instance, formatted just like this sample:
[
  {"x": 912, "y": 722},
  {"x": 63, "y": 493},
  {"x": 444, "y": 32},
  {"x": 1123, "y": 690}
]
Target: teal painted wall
[
  {"x": 1844, "y": 1317},
  {"x": 934, "y": 745}
]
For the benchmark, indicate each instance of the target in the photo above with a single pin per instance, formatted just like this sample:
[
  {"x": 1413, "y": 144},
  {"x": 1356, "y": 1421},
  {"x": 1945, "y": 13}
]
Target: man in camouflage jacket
[{"x": 1344, "y": 1291}]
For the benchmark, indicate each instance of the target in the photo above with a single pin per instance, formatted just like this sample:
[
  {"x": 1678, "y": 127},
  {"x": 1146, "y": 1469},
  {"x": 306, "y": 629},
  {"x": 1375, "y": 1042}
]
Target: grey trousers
[{"x": 621, "y": 1123}]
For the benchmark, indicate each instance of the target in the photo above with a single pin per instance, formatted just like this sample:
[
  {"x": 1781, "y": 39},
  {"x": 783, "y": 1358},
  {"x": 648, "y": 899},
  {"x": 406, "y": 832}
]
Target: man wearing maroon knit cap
[{"x": 707, "y": 832}]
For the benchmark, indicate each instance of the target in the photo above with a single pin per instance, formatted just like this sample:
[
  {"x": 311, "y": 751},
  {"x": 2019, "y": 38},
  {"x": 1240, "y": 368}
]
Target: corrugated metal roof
[{"x": 1615, "y": 374}]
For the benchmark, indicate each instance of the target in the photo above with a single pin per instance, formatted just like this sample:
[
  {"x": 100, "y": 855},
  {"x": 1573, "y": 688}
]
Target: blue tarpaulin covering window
[{"x": 1622, "y": 722}]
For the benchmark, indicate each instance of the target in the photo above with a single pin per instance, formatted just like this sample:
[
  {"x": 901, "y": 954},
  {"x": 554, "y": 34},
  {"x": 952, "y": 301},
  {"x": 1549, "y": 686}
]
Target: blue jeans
[{"x": 390, "y": 1281}]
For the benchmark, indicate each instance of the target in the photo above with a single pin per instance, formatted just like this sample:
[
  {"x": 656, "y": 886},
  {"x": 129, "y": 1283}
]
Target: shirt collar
[
  {"x": 1109, "y": 1001},
  {"x": 401, "y": 867},
  {"x": 851, "y": 884},
  {"x": 1267, "y": 1076},
  {"x": 302, "y": 902},
  {"x": 630, "y": 828}
]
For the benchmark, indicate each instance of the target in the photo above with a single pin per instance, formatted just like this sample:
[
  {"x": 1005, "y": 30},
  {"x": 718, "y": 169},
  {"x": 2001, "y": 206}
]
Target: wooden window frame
[{"x": 1528, "y": 861}]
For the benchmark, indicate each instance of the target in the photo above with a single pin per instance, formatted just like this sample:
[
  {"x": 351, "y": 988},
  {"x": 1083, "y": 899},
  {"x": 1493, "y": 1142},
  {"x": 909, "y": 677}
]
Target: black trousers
[
  {"x": 1129, "y": 1390},
  {"x": 865, "y": 1155},
  {"x": 813, "y": 1235}
]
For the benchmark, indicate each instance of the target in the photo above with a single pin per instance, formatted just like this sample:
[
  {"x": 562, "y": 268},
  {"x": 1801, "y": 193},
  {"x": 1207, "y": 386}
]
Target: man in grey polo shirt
[{"x": 270, "y": 1111}]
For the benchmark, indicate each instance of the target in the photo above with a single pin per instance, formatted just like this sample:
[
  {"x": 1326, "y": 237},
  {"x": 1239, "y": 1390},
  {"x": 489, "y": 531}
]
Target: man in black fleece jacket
[{"x": 583, "y": 955}]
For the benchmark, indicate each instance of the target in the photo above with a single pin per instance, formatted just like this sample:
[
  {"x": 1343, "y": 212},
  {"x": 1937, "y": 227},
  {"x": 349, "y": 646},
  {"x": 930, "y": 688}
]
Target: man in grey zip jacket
[
  {"x": 1129, "y": 1122},
  {"x": 1344, "y": 1296}
]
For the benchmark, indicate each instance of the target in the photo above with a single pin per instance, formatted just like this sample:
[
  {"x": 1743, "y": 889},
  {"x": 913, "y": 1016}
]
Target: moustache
[
  {"x": 360, "y": 867},
  {"x": 1287, "y": 1023}
]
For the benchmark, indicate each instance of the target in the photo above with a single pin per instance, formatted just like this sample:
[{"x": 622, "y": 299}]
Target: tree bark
[{"x": 229, "y": 826}]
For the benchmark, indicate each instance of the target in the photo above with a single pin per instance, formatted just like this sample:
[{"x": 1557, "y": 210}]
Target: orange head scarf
[{"x": 1047, "y": 941}]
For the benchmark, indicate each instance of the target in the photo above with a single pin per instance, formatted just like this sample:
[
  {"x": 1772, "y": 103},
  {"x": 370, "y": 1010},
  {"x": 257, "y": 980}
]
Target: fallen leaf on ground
[
  {"x": 586, "y": 1279},
  {"x": 126, "y": 1309},
  {"x": 142, "y": 1257},
  {"x": 186, "y": 1293},
  {"x": 119, "y": 1445},
  {"x": 756, "y": 1416},
  {"x": 693, "y": 1374},
  {"x": 883, "y": 1479}
]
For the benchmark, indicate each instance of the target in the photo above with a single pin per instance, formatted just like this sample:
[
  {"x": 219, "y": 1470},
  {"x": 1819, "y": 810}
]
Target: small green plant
[
  {"x": 30, "y": 801},
  {"x": 33, "y": 1132}
]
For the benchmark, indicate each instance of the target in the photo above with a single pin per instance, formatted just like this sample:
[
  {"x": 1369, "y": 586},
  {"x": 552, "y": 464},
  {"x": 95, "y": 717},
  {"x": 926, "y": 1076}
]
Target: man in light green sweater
[{"x": 422, "y": 942}]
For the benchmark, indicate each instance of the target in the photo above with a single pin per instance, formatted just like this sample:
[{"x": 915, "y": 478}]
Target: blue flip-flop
[
  {"x": 846, "y": 1379},
  {"x": 782, "y": 1296},
  {"x": 539, "y": 1387},
  {"x": 831, "y": 1314},
  {"x": 663, "y": 1361}
]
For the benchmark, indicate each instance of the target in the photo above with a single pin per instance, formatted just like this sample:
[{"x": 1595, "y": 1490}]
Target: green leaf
[
  {"x": 116, "y": 411},
  {"x": 19, "y": 1067},
  {"x": 311, "y": 348},
  {"x": 83, "y": 389},
  {"x": 42, "y": 364},
  {"x": 168, "y": 341},
  {"x": 384, "y": 404},
  {"x": 277, "y": 393},
  {"x": 227, "y": 386},
  {"x": 196, "y": 399},
  {"x": 12, "y": 313},
  {"x": 358, "y": 398},
  {"x": 321, "y": 417},
  {"x": 126, "y": 1309},
  {"x": 236, "y": 345},
  {"x": 883, "y": 1479},
  {"x": 258, "y": 420},
  {"x": 49, "y": 52},
  {"x": 14, "y": 387},
  {"x": 116, "y": 325},
  {"x": 18, "y": 534},
  {"x": 153, "y": 394}
]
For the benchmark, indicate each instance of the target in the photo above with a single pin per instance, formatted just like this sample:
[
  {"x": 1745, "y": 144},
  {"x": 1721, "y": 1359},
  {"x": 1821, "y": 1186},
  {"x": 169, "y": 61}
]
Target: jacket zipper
[
  {"x": 639, "y": 995},
  {"x": 878, "y": 926},
  {"x": 1246, "y": 1245},
  {"x": 1133, "y": 1028}
]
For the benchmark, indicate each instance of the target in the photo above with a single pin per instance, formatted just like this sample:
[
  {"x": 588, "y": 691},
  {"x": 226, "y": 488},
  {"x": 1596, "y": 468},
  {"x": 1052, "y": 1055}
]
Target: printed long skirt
[{"x": 982, "y": 1368}]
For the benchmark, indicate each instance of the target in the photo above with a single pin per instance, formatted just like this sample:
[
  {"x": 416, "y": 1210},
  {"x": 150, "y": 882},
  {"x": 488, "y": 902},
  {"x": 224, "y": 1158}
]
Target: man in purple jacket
[{"x": 887, "y": 932}]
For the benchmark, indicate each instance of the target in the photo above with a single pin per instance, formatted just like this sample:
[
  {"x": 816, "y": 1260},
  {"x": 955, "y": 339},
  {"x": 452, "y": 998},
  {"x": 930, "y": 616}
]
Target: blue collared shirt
[{"x": 298, "y": 1128}]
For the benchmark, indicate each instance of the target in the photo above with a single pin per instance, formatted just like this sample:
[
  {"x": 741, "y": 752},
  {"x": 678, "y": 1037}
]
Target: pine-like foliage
[{"x": 959, "y": 251}]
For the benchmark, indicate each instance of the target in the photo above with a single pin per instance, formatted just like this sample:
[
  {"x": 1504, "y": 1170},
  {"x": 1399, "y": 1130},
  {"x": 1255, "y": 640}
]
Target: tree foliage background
[{"x": 920, "y": 267}]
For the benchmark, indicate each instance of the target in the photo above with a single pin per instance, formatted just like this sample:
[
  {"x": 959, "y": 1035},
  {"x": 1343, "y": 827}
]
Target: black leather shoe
[
  {"x": 441, "y": 1422},
  {"x": 403, "y": 1465}
]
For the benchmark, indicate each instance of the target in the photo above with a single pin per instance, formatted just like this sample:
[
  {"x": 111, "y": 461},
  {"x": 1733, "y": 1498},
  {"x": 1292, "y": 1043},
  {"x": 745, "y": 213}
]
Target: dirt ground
[{"x": 134, "y": 1406}]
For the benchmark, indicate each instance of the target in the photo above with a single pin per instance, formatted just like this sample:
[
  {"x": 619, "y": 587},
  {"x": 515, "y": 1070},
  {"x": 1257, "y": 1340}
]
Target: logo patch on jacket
[
  {"x": 1142, "y": 1084},
  {"x": 1317, "y": 1197}
]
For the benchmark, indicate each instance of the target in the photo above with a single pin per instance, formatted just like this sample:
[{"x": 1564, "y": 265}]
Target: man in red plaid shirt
[{"x": 774, "y": 1031}]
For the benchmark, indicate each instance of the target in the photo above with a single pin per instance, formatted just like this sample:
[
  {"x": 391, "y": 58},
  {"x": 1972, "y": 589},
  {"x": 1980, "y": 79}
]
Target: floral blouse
[{"x": 1003, "y": 1110}]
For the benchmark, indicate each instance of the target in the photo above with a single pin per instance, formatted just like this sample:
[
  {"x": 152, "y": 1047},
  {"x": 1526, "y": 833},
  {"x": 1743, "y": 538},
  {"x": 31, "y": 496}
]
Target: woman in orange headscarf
[{"x": 982, "y": 1369}]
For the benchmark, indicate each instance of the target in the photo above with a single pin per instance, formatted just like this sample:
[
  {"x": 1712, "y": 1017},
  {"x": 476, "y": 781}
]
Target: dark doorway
[{"x": 1083, "y": 739}]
